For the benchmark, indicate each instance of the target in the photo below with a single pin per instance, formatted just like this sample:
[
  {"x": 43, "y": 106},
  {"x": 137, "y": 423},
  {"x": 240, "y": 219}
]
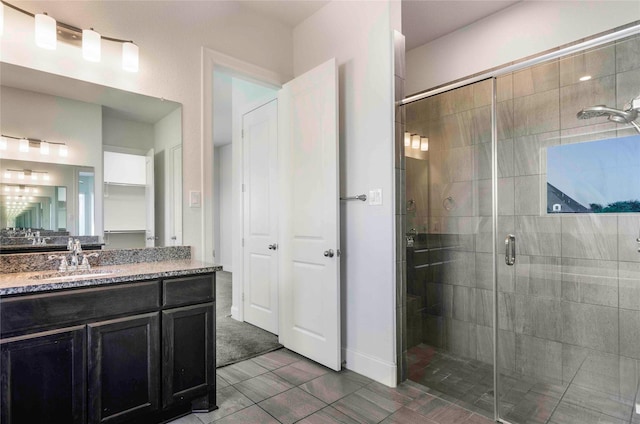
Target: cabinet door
[
  {"x": 42, "y": 377},
  {"x": 124, "y": 366},
  {"x": 188, "y": 355}
]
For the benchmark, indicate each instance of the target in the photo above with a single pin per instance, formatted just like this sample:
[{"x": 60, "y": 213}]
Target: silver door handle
[
  {"x": 273, "y": 246},
  {"x": 510, "y": 250},
  {"x": 328, "y": 253}
]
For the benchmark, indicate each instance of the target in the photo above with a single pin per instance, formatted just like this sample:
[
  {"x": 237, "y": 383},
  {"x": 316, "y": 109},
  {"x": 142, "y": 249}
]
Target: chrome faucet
[
  {"x": 75, "y": 251},
  {"x": 64, "y": 265}
]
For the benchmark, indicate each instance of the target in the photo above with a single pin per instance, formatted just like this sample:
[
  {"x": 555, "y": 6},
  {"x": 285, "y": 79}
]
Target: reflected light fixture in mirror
[
  {"x": 1, "y": 19},
  {"x": 424, "y": 144},
  {"x": 24, "y": 145},
  {"x": 407, "y": 139},
  {"x": 91, "y": 45},
  {"x": 415, "y": 141}
]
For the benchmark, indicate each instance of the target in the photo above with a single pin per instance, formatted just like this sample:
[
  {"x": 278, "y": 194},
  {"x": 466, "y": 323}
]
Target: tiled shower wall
[{"x": 575, "y": 287}]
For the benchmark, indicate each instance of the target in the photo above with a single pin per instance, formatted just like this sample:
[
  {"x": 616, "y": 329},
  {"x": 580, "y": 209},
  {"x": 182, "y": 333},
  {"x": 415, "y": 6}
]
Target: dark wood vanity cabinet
[
  {"x": 144, "y": 363},
  {"x": 42, "y": 377}
]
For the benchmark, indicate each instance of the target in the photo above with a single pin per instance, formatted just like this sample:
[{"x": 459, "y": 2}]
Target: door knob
[
  {"x": 273, "y": 246},
  {"x": 328, "y": 253}
]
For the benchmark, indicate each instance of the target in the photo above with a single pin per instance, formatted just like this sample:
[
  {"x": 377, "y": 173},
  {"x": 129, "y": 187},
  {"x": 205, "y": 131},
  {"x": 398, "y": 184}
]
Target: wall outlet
[
  {"x": 375, "y": 197},
  {"x": 195, "y": 199}
]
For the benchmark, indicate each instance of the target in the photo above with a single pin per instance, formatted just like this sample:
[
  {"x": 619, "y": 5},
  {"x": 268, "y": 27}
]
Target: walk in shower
[{"x": 506, "y": 177}]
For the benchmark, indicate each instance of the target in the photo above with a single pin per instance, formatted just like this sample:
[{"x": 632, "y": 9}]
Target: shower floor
[{"x": 603, "y": 388}]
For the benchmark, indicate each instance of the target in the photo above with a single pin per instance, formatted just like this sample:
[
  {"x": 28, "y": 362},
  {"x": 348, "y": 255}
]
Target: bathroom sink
[{"x": 58, "y": 275}]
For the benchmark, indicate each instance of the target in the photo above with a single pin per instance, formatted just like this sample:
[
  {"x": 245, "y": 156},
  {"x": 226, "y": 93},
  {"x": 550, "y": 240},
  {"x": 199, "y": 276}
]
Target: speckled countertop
[{"x": 28, "y": 282}]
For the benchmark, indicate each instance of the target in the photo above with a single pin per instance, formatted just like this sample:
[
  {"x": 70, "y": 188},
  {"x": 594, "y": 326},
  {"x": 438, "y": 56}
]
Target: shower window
[{"x": 594, "y": 177}]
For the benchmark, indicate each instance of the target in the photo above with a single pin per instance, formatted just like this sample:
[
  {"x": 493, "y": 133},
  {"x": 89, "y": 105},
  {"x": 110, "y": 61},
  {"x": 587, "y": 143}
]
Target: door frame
[{"x": 210, "y": 60}]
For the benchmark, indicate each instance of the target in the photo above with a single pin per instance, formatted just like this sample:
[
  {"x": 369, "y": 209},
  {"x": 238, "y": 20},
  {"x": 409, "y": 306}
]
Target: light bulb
[
  {"x": 45, "y": 32},
  {"x": 44, "y": 148},
  {"x": 424, "y": 144},
  {"x": 34, "y": 176},
  {"x": 45, "y": 177},
  {"x": 63, "y": 151},
  {"x": 415, "y": 141},
  {"x": 407, "y": 139},
  {"x": 24, "y": 145},
  {"x": 3, "y": 141},
  {"x": 20, "y": 177},
  {"x": 1, "y": 19},
  {"x": 91, "y": 45},
  {"x": 7, "y": 174},
  {"x": 7, "y": 189},
  {"x": 130, "y": 57}
]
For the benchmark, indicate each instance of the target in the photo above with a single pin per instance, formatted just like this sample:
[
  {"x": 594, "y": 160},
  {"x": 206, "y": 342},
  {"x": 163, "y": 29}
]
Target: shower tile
[
  {"x": 539, "y": 317},
  {"x": 568, "y": 413},
  {"x": 629, "y": 285},
  {"x": 595, "y": 63},
  {"x": 534, "y": 408},
  {"x": 590, "y": 281},
  {"x": 627, "y": 87},
  {"x": 506, "y": 347},
  {"x": 592, "y": 326},
  {"x": 458, "y": 164},
  {"x": 604, "y": 372},
  {"x": 484, "y": 274},
  {"x": 504, "y": 87},
  {"x": 461, "y": 194},
  {"x": 539, "y": 276},
  {"x": 482, "y": 93},
  {"x": 595, "y": 131},
  {"x": 458, "y": 269},
  {"x": 506, "y": 309},
  {"x": 573, "y": 98},
  {"x": 538, "y": 358},
  {"x": 597, "y": 400},
  {"x": 461, "y": 338},
  {"x": 627, "y": 54},
  {"x": 528, "y": 194},
  {"x": 435, "y": 332},
  {"x": 628, "y": 232},
  {"x": 538, "y": 235},
  {"x": 482, "y": 160},
  {"x": 439, "y": 299},
  {"x": 464, "y": 303},
  {"x": 506, "y": 194},
  {"x": 630, "y": 333},
  {"x": 506, "y": 225},
  {"x": 590, "y": 236},
  {"x": 530, "y": 153},
  {"x": 572, "y": 359},
  {"x": 478, "y": 122},
  {"x": 537, "y": 113},
  {"x": 536, "y": 79},
  {"x": 505, "y": 120},
  {"x": 485, "y": 200}
]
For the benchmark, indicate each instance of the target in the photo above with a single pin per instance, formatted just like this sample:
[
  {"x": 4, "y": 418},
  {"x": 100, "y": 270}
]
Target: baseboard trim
[
  {"x": 374, "y": 368},
  {"x": 235, "y": 313}
]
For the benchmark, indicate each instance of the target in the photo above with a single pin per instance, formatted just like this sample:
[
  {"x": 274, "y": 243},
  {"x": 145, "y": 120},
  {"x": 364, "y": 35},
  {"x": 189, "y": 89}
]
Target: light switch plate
[
  {"x": 375, "y": 197},
  {"x": 195, "y": 199}
]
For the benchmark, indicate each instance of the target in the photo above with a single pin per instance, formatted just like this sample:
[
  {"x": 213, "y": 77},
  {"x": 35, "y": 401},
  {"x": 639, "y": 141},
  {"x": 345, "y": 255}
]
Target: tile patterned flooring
[
  {"x": 284, "y": 387},
  {"x": 602, "y": 389}
]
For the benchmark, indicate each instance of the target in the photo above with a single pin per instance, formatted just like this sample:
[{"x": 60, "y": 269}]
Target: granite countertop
[{"x": 24, "y": 282}]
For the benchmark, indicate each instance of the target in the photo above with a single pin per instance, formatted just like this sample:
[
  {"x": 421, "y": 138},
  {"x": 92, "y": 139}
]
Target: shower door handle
[{"x": 510, "y": 250}]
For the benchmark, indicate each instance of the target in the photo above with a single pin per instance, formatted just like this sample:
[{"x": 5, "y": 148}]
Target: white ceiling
[{"x": 422, "y": 20}]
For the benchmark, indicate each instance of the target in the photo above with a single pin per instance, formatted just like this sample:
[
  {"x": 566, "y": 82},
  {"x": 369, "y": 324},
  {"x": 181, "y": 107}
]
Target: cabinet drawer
[
  {"x": 188, "y": 290},
  {"x": 76, "y": 306}
]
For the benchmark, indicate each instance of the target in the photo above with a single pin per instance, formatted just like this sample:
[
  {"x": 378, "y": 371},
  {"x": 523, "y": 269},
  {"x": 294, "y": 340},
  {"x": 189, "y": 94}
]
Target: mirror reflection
[{"x": 69, "y": 132}]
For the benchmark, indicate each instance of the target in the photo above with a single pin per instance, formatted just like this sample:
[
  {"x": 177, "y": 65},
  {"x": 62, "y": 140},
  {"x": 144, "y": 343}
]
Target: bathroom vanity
[{"x": 119, "y": 343}]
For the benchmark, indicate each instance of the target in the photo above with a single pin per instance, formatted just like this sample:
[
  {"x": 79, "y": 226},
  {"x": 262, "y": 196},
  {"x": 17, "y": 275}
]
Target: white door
[
  {"x": 149, "y": 198},
  {"x": 260, "y": 226},
  {"x": 309, "y": 215}
]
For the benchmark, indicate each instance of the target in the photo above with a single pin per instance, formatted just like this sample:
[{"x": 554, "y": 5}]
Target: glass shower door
[
  {"x": 449, "y": 245},
  {"x": 569, "y": 307}
]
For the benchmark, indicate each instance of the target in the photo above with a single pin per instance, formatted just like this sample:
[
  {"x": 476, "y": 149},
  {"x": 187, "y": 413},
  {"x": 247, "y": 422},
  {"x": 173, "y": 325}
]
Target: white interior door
[
  {"x": 260, "y": 227},
  {"x": 309, "y": 215},
  {"x": 149, "y": 198}
]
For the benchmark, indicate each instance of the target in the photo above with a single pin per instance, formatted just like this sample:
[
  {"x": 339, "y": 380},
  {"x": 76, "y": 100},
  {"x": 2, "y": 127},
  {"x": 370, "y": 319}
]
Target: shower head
[{"x": 615, "y": 115}]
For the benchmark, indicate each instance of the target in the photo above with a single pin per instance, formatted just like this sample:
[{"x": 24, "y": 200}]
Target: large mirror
[{"x": 83, "y": 160}]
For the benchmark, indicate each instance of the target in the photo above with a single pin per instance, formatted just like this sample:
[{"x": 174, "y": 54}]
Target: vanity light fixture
[
  {"x": 24, "y": 144},
  {"x": 47, "y": 32},
  {"x": 407, "y": 139},
  {"x": 91, "y": 45}
]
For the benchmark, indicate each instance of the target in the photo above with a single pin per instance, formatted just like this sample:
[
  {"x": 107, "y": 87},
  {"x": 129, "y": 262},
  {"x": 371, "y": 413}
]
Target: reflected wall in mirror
[
  {"x": 42, "y": 203},
  {"x": 90, "y": 120}
]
